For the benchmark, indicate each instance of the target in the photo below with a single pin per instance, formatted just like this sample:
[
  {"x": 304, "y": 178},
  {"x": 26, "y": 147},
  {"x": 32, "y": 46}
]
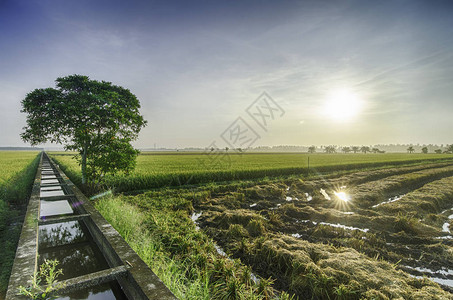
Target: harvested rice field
[{"x": 370, "y": 234}]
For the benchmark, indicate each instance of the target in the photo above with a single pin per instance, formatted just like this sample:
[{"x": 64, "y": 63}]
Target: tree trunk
[{"x": 84, "y": 165}]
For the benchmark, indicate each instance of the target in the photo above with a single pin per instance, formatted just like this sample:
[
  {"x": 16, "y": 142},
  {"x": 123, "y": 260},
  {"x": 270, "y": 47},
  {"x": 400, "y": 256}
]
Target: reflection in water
[
  {"x": 53, "y": 208},
  {"x": 342, "y": 196},
  {"x": 71, "y": 244},
  {"x": 50, "y": 188},
  {"x": 100, "y": 292},
  {"x": 324, "y": 193},
  {"x": 390, "y": 200},
  {"x": 49, "y": 181},
  {"x": 51, "y": 193},
  {"x": 60, "y": 234},
  {"x": 75, "y": 259}
]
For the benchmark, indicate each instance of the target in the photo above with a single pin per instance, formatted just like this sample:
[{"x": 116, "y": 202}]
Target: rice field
[
  {"x": 155, "y": 170},
  {"x": 13, "y": 162},
  {"x": 18, "y": 170},
  {"x": 381, "y": 233}
]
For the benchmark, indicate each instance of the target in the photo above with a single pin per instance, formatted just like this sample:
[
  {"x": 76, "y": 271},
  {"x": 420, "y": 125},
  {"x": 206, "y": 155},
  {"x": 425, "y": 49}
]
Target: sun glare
[
  {"x": 342, "y": 196},
  {"x": 342, "y": 105}
]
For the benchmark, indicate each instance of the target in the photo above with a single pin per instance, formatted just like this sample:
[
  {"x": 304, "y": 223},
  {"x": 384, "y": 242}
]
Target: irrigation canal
[{"x": 97, "y": 263}]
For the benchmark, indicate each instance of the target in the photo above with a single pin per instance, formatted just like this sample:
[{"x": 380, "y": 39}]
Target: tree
[
  {"x": 311, "y": 149},
  {"x": 97, "y": 119},
  {"x": 375, "y": 150},
  {"x": 438, "y": 151},
  {"x": 330, "y": 149},
  {"x": 425, "y": 150},
  {"x": 355, "y": 149},
  {"x": 410, "y": 149},
  {"x": 346, "y": 149},
  {"x": 450, "y": 148},
  {"x": 365, "y": 149}
]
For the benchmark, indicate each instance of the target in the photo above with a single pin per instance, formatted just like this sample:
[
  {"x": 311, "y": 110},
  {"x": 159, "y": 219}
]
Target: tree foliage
[{"x": 97, "y": 119}]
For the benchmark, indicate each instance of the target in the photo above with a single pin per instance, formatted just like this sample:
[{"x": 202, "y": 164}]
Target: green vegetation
[
  {"x": 172, "y": 169},
  {"x": 48, "y": 274},
  {"x": 18, "y": 171}
]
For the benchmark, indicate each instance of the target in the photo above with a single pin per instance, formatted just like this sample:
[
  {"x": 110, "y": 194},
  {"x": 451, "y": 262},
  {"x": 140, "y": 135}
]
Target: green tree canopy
[{"x": 95, "y": 118}]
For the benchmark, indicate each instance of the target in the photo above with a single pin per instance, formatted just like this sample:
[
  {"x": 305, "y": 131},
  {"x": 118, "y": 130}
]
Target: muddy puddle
[
  {"x": 194, "y": 217},
  {"x": 336, "y": 225},
  {"x": 442, "y": 276},
  {"x": 390, "y": 200},
  {"x": 446, "y": 225}
]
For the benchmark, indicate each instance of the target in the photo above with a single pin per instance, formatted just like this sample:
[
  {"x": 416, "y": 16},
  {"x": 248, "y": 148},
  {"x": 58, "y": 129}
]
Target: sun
[{"x": 342, "y": 105}]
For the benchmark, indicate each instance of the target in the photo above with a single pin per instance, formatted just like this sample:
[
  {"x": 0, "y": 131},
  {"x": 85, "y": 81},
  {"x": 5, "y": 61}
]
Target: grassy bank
[{"x": 18, "y": 171}]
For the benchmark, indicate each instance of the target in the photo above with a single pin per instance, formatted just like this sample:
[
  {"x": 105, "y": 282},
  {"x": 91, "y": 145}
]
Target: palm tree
[
  {"x": 311, "y": 149},
  {"x": 410, "y": 149},
  {"x": 355, "y": 149},
  {"x": 346, "y": 149},
  {"x": 330, "y": 149},
  {"x": 365, "y": 149}
]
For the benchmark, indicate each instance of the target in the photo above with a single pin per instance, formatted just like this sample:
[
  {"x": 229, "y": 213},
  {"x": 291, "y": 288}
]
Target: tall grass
[
  {"x": 130, "y": 223},
  {"x": 18, "y": 171}
]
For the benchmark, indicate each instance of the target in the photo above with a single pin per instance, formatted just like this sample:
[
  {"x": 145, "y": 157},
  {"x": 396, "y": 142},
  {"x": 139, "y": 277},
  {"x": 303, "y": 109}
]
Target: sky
[{"x": 333, "y": 72}]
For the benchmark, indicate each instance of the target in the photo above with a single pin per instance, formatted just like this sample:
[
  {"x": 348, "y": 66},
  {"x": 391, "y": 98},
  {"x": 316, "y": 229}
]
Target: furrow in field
[
  {"x": 429, "y": 203},
  {"x": 365, "y": 176},
  {"x": 375, "y": 192}
]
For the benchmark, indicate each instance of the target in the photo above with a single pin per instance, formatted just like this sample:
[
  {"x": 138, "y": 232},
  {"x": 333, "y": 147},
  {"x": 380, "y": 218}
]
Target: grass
[
  {"x": 18, "y": 171},
  {"x": 175, "y": 169}
]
